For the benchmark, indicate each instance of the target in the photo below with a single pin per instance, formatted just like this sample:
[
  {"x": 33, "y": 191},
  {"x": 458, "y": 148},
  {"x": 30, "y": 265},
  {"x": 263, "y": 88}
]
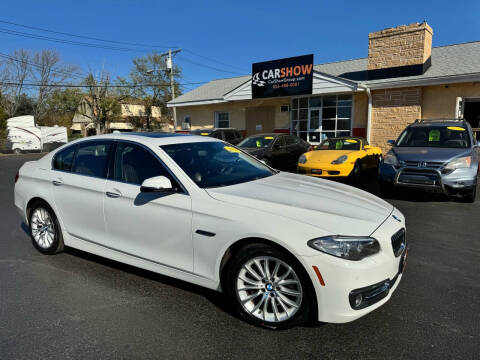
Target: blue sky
[{"x": 235, "y": 34}]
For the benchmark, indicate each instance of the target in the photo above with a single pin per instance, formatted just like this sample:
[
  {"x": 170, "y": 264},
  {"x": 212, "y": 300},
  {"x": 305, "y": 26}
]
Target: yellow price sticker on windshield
[
  {"x": 455, "y": 128},
  {"x": 231, "y": 149},
  {"x": 204, "y": 134},
  {"x": 268, "y": 137},
  {"x": 351, "y": 141}
]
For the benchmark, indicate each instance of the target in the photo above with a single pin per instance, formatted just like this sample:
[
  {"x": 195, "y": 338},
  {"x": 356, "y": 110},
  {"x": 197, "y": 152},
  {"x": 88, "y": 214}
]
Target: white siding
[{"x": 321, "y": 85}]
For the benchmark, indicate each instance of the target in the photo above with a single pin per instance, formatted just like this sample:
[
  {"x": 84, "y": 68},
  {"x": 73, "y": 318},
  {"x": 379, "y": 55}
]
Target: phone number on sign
[{"x": 286, "y": 85}]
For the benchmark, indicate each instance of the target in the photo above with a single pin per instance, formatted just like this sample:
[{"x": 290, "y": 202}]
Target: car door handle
[
  {"x": 57, "y": 182},
  {"x": 113, "y": 194}
]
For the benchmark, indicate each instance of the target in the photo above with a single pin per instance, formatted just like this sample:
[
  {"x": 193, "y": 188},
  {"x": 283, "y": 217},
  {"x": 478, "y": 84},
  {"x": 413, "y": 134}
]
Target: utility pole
[
  {"x": 170, "y": 69},
  {"x": 169, "y": 64}
]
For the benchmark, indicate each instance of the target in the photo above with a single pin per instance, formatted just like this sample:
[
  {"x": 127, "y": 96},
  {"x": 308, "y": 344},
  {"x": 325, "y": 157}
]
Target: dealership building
[{"x": 402, "y": 79}]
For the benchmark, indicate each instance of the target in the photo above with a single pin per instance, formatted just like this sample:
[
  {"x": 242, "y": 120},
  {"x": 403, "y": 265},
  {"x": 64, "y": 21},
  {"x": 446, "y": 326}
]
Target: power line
[
  {"x": 74, "y": 74},
  {"x": 213, "y": 60},
  {"x": 63, "y": 41},
  {"x": 208, "y": 66},
  {"x": 106, "y": 47},
  {"x": 86, "y": 37},
  {"x": 95, "y": 86}
]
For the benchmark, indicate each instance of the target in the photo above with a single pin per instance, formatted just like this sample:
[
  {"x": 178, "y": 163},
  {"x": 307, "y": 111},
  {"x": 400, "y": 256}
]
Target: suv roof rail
[{"x": 439, "y": 120}]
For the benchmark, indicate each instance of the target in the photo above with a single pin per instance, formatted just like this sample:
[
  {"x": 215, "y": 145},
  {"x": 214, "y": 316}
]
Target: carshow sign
[{"x": 283, "y": 77}]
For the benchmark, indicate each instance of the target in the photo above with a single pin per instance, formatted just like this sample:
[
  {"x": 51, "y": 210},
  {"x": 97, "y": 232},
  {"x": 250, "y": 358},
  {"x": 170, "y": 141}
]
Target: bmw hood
[
  {"x": 430, "y": 154},
  {"x": 336, "y": 208}
]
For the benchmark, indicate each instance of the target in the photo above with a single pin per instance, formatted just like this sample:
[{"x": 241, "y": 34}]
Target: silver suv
[{"x": 437, "y": 155}]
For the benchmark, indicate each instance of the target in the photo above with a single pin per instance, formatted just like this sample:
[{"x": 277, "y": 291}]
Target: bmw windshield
[
  {"x": 215, "y": 164},
  {"x": 435, "y": 136}
]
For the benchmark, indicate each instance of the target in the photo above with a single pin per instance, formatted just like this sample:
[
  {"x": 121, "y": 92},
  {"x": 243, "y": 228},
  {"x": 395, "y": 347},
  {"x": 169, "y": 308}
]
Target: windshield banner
[{"x": 283, "y": 77}]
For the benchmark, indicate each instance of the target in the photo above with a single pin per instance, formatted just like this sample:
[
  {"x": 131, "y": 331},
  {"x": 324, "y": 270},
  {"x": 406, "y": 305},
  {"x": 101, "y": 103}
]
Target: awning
[
  {"x": 120, "y": 126},
  {"x": 76, "y": 127}
]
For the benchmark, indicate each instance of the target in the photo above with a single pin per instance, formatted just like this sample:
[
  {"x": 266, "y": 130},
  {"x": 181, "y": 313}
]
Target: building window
[
  {"x": 187, "y": 122},
  {"x": 222, "y": 119},
  {"x": 317, "y": 118}
]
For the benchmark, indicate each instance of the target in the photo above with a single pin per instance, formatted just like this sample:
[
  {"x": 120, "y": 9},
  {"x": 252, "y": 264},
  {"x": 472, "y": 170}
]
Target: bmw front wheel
[{"x": 269, "y": 288}]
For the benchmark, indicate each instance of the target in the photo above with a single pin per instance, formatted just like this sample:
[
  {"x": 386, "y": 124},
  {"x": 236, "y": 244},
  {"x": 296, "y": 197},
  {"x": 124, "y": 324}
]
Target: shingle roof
[
  {"x": 447, "y": 61},
  {"x": 214, "y": 90}
]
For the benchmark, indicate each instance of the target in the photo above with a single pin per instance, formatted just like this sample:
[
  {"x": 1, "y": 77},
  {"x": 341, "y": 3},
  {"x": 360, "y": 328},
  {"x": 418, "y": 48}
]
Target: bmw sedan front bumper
[{"x": 375, "y": 277}]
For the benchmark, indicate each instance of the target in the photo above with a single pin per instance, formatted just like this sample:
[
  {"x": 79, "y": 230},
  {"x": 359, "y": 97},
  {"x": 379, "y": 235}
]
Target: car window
[
  {"x": 256, "y": 141},
  {"x": 91, "y": 158},
  {"x": 64, "y": 159},
  {"x": 215, "y": 164},
  {"x": 280, "y": 141},
  {"x": 229, "y": 135},
  {"x": 453, "y": 136},
  {"x": 133, "y": 164},
  {"x": 217, "y": 135},
  {"x": 290, "y": 140},
  {"x": 340, "y": 144}
]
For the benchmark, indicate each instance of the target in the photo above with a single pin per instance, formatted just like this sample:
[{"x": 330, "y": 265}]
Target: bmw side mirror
[
  {"x": 391, "y": 142},
  {"x": 156, "y": 184}
]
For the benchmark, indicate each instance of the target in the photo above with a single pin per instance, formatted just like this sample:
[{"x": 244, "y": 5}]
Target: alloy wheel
[
  {"x": 43, "y": 228},
  {"x": 269, "y": 289}
]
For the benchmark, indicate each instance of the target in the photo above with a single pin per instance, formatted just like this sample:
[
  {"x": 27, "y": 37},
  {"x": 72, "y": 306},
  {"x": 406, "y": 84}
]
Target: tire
[
  {"x": 356, "y": 172},
  {"x": 272, "y": 306},
  {"x": 17, "y": 151},
  {"x": 44, "y": 229},
  {"x": 470, "y": 197}
]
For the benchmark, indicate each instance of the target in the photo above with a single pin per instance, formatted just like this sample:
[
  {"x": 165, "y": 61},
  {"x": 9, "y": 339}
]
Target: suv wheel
[{"x": 470, "y": 197}]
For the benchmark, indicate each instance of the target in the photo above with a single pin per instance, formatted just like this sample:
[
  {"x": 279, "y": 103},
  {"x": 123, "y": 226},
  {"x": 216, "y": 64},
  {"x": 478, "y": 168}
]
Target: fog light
[{"x": 358, "y": 300}]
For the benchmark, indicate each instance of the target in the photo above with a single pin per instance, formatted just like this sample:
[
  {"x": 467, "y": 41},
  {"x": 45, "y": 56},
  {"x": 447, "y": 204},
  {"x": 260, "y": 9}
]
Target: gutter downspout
[{"x": 369, "y": 114}]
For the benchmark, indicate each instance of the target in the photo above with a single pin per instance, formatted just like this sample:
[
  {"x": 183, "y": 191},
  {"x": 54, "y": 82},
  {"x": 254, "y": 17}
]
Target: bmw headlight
[
  {"x": 346, "y": 247},
  {"x": 391, "y": 159},
  {"x": 463, "y": 162},
  {"x": 340, "y": 160},
  {"x": 302, "y": 159}
]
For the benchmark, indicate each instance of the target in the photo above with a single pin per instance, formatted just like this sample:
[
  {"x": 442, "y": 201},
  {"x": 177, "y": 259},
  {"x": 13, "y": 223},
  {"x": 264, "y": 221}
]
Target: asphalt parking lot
[{"x": 76, "y": 305}]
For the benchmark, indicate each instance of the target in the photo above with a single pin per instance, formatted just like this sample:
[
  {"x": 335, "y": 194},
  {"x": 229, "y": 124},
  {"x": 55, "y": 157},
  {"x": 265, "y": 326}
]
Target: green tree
[
  {"x": 102, "y": 105},
  {"x": 150, "y": 82}
]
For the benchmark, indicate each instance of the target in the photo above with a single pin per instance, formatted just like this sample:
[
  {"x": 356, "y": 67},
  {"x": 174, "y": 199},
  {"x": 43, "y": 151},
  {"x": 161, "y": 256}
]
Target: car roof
[
  {"x": 268, "y": 134},
  {"x": 439, "y": 122},
  {"x": 151, "y": 138}
]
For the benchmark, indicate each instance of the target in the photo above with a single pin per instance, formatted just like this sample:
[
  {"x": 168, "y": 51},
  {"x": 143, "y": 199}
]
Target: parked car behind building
[
  {"x": 230, "y": 135},
  {"x": 437, "y": 155},
  {"x": 280, "y": 151}
]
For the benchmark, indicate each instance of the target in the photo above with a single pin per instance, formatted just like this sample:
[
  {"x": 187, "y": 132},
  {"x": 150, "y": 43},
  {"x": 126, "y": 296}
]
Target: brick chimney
[{"x": 401, "y": 51}]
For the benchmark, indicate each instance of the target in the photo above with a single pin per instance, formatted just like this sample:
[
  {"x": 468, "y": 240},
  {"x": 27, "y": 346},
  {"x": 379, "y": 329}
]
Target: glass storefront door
[
  {"x": 314, "y": 125},
  {"x": 317, "y": 118}
]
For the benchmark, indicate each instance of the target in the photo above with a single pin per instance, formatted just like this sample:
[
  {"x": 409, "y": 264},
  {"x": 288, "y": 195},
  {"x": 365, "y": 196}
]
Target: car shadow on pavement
[
  {"x": 218, "y": 299},
  {"x": 369, "y": 182}
]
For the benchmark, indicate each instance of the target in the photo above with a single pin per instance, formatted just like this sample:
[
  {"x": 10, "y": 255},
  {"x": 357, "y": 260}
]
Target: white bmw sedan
[{"x": 285, "y": 248}]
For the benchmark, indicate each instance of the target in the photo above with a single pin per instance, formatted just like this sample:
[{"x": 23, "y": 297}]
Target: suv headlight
[
  {"x": 340, "y": 160},
  {"x": 302, "y": 159},
  {"x": 463, "y": 162},
  {"x": 391, "y": 159},
  {"x": 346, "y": 247}
]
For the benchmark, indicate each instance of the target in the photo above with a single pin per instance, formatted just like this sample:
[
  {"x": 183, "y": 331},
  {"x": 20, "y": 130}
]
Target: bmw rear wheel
[
  {"x": 269, "y": 288},
  {"x": 45, "y": 229}
]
